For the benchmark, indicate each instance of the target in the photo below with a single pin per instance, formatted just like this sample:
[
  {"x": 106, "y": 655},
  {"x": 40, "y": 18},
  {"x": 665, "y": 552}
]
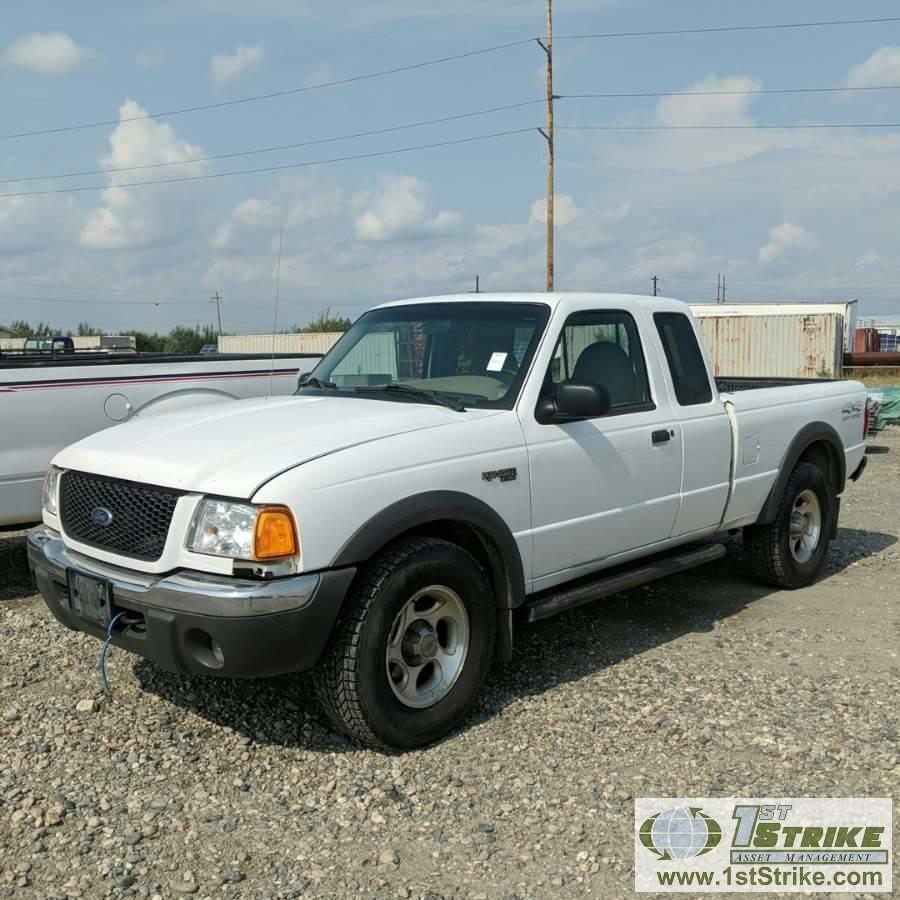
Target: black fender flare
[
  {"x": 443, "y": 506},
  {"x": 814, "y": 432}
]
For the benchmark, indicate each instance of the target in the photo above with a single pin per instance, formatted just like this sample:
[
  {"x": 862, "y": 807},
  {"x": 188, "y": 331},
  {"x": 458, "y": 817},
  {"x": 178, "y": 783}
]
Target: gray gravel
[{"x": 705, "y": 684}]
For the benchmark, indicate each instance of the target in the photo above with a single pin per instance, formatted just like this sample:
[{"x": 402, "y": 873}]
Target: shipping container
[
  {"x": 793, "y": 340},
  {"x": 867, "y": 340},
  {"x": 307, "y": 342},
  {"x": 888, "y": 328}
]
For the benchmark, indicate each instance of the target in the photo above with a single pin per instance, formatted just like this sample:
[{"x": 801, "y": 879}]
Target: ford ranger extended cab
[{"x": 452, "y": 468}]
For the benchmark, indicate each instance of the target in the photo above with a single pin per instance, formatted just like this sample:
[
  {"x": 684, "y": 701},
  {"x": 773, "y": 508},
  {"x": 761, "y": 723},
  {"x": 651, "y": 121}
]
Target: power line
[
  {"x": 281, "y": 168},
  {"x": 271, "y": 95},
  {"x": 718, "y": 29},
  {"x": 735, "y": 93},
  {"x": 436, "y": 121},
  {"x": 709, "y": 128},
  {"x": 311, "y": 143}
]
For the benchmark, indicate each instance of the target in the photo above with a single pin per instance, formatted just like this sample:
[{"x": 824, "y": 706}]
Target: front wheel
[
  {"x": 412, "y": 650},
  {"x": 790, "y": 552}
]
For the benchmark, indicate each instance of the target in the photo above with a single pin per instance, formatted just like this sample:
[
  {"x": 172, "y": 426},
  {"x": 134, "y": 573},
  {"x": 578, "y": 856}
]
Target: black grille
[{"x": 138, "y": 515}]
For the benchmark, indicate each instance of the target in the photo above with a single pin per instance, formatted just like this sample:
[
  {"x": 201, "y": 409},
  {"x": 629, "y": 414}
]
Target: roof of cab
[{"x": 552, "y": 300}]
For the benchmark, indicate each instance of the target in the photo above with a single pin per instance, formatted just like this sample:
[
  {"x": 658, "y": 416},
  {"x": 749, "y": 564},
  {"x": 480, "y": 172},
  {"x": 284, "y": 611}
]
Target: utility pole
[
  {"x": 723, "y": 287},
  {"x": 547, "y": 47},
  {"x": 655, "y": 281},
  {"x": 218, "y": 301},
  {"x": 719, "y": 287}
]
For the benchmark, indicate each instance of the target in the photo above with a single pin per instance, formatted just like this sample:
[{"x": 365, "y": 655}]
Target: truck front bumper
[{"x": 194, "y": 623}]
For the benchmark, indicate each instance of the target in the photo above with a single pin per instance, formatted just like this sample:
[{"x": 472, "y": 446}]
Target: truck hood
[{"x": 231, "y": 449}]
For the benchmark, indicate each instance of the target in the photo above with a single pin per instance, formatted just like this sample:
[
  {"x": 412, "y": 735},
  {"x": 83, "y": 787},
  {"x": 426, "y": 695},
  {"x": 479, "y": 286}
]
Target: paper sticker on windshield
[{"x": 495, "y": 363}]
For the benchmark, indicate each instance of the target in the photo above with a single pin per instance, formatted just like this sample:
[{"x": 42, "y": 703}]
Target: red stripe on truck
[{"x": 148, "y": 379}]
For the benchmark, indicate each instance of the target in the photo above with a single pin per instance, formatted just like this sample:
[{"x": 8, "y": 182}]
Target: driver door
[{"x": 604, "y": 486}]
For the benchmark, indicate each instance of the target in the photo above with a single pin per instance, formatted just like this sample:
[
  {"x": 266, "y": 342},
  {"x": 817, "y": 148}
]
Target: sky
[{"x": 787, "y": 214}]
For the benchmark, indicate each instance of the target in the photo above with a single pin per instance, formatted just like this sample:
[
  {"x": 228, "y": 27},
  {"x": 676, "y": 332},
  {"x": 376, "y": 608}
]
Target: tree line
[{"x": 181, "y": 338}]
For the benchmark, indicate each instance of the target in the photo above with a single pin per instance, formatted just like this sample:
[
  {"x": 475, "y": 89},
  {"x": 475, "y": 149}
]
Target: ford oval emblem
[{"x": 101, "y": 516}]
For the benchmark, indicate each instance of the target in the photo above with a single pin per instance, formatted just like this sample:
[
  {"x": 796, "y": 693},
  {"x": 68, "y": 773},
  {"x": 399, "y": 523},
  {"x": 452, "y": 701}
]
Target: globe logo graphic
[{"x": 681, "y": 833}]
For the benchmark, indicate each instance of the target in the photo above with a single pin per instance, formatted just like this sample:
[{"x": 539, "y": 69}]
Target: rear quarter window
[{"x": 689, "y": 375}]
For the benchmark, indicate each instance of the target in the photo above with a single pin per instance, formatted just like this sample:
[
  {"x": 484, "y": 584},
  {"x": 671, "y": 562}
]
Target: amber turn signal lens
[{"x": 275, "y": 535}]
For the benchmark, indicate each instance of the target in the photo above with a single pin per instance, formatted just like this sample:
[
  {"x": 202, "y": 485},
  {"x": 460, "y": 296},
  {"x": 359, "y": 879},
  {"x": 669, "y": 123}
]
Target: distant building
[{"x": 5, "y": 333}]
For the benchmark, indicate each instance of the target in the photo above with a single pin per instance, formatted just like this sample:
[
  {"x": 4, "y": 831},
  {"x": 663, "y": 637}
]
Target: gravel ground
[{"x": 704, "y": 684}]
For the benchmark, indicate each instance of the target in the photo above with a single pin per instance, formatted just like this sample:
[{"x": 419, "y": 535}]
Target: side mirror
[
  {"x": 575, "y": 400},
  {"x": 301, "y": 378}
]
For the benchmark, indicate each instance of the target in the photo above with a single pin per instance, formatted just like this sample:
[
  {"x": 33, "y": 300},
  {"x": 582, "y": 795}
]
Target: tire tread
[
  {"x": 336, "y": 676},
  {"x": 762, "y": 543}
]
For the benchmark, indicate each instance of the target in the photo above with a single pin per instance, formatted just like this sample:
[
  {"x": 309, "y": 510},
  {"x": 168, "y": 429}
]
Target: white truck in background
[
  {"x": 453, "y": 467},
  {"x": 48, "y": 403}
]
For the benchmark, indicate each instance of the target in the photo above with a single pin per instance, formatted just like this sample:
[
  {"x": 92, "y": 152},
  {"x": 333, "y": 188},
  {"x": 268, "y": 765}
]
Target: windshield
[{"x": 475, "y": 352}]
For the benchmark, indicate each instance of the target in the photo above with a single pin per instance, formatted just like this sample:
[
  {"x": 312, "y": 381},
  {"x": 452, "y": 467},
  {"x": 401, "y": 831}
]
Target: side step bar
[{"x": 542, "y": 607}]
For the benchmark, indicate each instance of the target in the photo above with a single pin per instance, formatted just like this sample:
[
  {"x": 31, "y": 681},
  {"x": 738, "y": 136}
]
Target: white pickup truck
[
  {"x": 49, "y": 403},
  {"x": 452, "y": 467}
]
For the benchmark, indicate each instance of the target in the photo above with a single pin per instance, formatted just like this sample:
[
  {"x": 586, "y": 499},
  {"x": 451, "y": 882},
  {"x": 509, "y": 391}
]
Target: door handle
[{"x": 663, "y": 436}]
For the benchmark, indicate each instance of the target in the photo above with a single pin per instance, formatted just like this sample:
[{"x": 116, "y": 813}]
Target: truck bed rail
[{"x": 732, "y": 384}]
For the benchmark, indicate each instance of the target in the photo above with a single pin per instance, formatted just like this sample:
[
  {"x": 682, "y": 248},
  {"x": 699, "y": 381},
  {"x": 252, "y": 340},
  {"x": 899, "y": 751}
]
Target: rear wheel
[
  {"x": 409, "y": 657},
  {"x": 790, "y": 552}
]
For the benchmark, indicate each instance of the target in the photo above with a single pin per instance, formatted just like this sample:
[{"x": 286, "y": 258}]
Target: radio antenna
[{"x": 275, "y": 323}]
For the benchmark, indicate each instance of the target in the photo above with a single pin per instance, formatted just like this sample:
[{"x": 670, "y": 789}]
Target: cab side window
[
  {"x": 604, "y": 348},
  {"x": 689, "y": 375}
]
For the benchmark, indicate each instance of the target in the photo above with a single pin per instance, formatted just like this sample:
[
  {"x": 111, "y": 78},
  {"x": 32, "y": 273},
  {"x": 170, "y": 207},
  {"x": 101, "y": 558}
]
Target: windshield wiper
[
  {"x": 400, "y": 388},
  {"x": 317, "y": 383}
]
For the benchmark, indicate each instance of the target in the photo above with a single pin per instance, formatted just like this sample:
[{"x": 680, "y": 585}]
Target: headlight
[
  {"x": 50, "y": 490},
  {"x": 243, "y": 531}
]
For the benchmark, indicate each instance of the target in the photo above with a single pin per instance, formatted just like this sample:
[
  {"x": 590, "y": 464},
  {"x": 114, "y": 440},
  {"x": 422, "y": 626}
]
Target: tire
[
  {"x": 786, "y": 559},
  {"x": 368, "y": 680}
]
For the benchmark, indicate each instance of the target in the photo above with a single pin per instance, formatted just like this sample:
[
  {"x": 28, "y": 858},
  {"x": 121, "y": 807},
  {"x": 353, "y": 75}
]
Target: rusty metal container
[
  {"x": 766, "y": 340},
  {"x": 867, "y": 340}
]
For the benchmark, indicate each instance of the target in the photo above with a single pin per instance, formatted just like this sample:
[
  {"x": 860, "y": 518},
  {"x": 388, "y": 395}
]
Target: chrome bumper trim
[{"x": 183, "y": 591}]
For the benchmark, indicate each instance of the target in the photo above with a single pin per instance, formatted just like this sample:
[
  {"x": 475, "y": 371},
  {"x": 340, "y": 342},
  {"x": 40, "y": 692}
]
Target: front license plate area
[{"x": 90, "y": 598}]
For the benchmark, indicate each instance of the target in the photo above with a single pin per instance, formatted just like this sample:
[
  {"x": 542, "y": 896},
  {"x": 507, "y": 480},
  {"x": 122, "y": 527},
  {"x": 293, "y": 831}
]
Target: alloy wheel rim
[
  {"x": 427, "y": 646},
  {"x": 806, "y": 526}
]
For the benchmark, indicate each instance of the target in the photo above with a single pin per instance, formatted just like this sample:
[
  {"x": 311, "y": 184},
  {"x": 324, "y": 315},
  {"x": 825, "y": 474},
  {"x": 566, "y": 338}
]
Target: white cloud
[
  {"x": 565, "y": 211},
  {"x": 398, "y": 210},
  {"x": 254, "y": 212},
  {"x": 784, "y": 237},
  {"x": 227, "y": 67},
  {"x": 882, "y": 67},
  {"x": 699, "y": 105},
  {"x": 142, "y": 216},
  {"x": 47, "y": 53},
  {"x": 250, "y": 214}
]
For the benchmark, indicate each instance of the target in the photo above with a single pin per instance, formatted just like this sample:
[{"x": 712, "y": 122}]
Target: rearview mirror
[
  {"x": 575, "y": 400},
  {"x": 301, "y": 378}
]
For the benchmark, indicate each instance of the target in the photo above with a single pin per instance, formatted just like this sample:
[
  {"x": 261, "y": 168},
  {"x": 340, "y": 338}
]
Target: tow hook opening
[{"x": 204, "y": 648}]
